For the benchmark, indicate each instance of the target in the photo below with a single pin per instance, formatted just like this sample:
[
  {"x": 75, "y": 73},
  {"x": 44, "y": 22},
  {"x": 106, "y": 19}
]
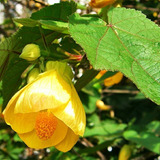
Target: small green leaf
[
  {"x": 57, "y": 26},
  {"x": 108, "y": 128},
  {"x": 154, "y": 127},
  {"x": 89, "y": 102},
  {"x": 128, "y": 42},
  {"x": 28, "y": 22},
  {"x": 148, "y": 140}
]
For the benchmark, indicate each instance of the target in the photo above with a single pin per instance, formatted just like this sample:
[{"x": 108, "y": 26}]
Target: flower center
[{"x": 46, "y": 124}]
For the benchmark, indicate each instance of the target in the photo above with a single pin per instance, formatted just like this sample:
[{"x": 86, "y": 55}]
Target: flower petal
[
  {"x": 33, "y": 141},
  {"x": 73, "y": 114},
  {"x": 100, "y": 3},
  {"x": 21, "y": 123},
  {"x": 68, "y": 142},
  {"x": 47, "y": 91},
  {"x": 115, "y": 79}
]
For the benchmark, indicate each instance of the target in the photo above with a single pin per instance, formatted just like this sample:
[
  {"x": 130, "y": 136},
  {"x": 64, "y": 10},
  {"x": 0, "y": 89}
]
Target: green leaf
[
  {"x": 85, "y": 79},
  {"x": 108, "y": 128},
  {"x": 154, "y": 127},
  {"x": 25, "y": 35},
  {"x": 57, "y": 26},
  {"x": 58, "y": 12},
  {"x": 89, "y": 102},
  {"x": 128, "y": 42},
  {"x": 98, "y": 147},
  {"x": 12, "y": 79},
  {"x": 148, "y": 140},
  {"x": 69, "y": 45},
  {"x": 22, "y": 37},
  {"x": 28, "y": 22}
]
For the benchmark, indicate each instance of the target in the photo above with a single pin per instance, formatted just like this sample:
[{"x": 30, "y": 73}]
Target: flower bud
[
  {"x": 33, "y": 75},
  {"x": 125, "y": 152},
  {"x": 100, "y": 104},
  {"x": 100, "y": 3},
  {"x": 30, "y": 52}
]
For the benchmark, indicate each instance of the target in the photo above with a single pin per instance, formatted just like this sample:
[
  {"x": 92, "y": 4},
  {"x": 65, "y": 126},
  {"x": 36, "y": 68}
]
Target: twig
[
  {"x": 89, "y": 144},
  {"x": 143, "y": 8},
  {"x": 7, "y": 7},
  {"x": 120, "y": 91},
  {"x": 145, "y": 156},
  {"x": 77, "y": 154}
]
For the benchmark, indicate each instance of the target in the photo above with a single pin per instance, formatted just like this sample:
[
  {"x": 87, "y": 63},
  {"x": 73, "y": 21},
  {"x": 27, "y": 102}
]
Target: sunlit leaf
[{"x": 128, "y": 42}]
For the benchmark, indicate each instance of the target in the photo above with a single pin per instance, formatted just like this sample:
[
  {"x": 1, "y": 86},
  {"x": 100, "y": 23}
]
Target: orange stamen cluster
[{"x": 46, "y": 124}]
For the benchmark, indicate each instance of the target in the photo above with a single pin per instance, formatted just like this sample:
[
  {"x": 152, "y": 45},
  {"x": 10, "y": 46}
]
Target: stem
[
  {"x": 43, "y": 37},
  {"x": 85, "y": 79}
]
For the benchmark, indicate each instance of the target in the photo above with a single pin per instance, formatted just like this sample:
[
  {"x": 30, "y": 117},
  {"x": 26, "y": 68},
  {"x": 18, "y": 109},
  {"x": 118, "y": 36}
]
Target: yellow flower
[
  {"x": 115, "y": 79},
  {"x": 48, "y": 112},
  {"x": 101, "y": 3},
  {"x": 30, "y": 52}
]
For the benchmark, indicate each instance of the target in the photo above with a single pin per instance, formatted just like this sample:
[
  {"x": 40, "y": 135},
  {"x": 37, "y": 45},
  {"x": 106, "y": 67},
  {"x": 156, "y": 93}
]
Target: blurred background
[{"x": 121, "y": 123}]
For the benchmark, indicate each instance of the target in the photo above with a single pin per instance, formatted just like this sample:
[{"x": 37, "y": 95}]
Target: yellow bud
[
  {"x": 155, "y": 14},
  {"x": 30, "y": 52},
  {"x": 100, "y": 3},
  {"x": 38, "y": 5},
  {"x": 33, "y": 75},
  {"x": 100, "y": 104},
  {"x": 118, "y": 5},
  {"x": 125, "y": 152}
]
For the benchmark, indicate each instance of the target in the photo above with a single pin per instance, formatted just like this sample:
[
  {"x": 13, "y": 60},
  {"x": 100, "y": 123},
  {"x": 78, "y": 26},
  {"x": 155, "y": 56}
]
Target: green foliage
[
  {"x": 128, "y": 42},
  {"x": 25, "y": 35},
  {"x": 125, "y": 41},
  {"x": 57, "y": 12},
  {"x": 148, "y": 140},
  {"x": 10, "y": 149},
  {"x": 108, "y": 128},
  {"x": 12, "y": 79},
  {"x": 16, "y": 43}
]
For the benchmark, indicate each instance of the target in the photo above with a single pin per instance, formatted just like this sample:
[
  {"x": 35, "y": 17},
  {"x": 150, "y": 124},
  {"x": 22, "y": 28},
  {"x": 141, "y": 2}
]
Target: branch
[
  {"x": 87, "y": 143},
  {"x": 143, "y": 8},
  {"x": 118, "y": 91}
]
